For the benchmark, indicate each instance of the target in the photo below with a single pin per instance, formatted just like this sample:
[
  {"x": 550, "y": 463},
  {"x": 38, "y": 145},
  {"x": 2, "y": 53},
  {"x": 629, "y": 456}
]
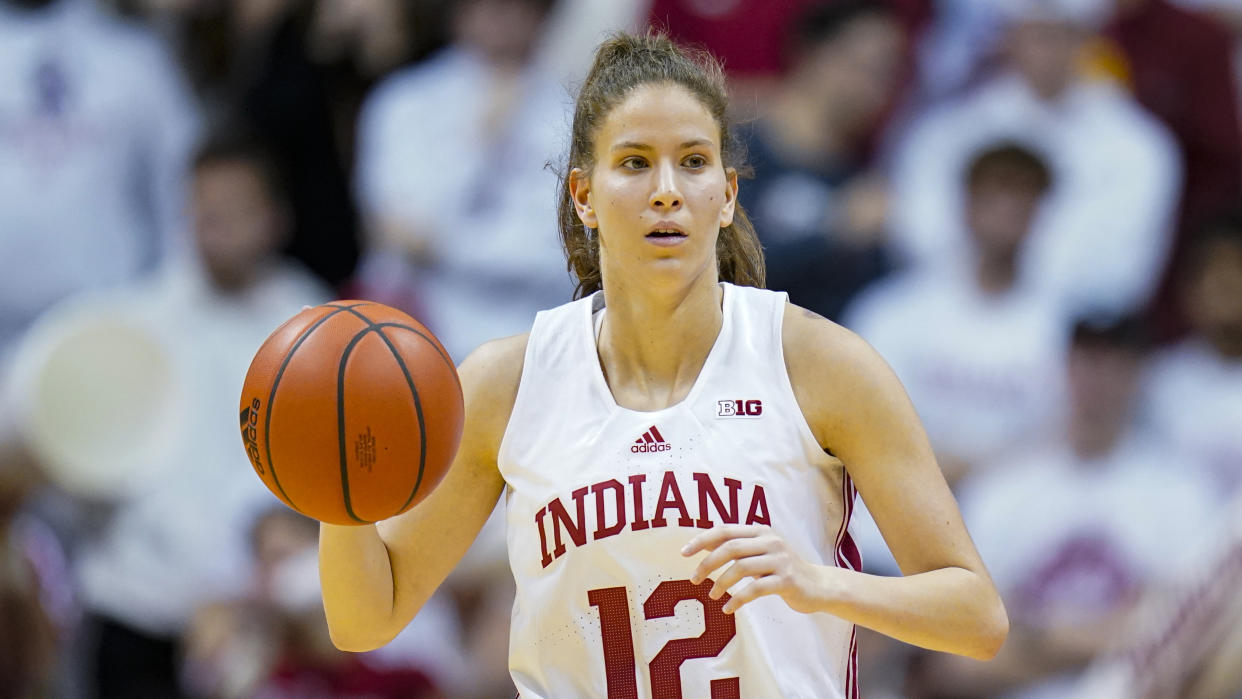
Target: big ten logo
[
  {"x": 739, "y": 408},
  {"x": 250, "y": 433}
]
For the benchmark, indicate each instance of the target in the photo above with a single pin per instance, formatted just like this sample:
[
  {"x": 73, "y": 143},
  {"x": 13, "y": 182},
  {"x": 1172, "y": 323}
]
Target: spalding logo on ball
[{"x": 351, "y": 412}]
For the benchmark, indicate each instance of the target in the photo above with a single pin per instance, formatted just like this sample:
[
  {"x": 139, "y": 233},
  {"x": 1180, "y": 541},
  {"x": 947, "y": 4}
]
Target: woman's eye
[
  {"x": 695, "y": 161},
  {"x": 634, "y": 163}
]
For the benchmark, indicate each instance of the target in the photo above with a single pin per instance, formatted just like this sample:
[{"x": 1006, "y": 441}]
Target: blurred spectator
[
  {"x": 1180, "y": 65},
  {"x": 1194, "y": 390},
  {"x": 453, "y": 180},
  {"x": 748, "y": 36},
  {"x": 575, "y": 28},
  {"x": 977, "y": 350},
  {"x": 957, "y": 46},
  {"x": 1185, "y": 642},
  {"x": 819, "y": 210},
  {"x": 284, "y": 95},
  {"x": 1070, "y": 529},
  {"x": 1101, "y": 238},
  {"x": 250, "y": 62},
  {"x": 979, "y": 353},
  {"x": 374, "y": 37},
  {"x": 28, "y": 644},
  {"x": 273, "y": 643},
  {"x": 180, "y": 539},
  {"x": 28, "y": 636},
  {"x": 1227, "y": 12},
  {"x": 751, "y": 37},
  {"x": 95, "y": 129},
  {"x": 356, "y": 43}
]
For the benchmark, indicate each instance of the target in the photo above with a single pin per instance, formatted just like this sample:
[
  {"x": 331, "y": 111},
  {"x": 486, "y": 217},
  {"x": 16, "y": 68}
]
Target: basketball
[{"x": 351, "y": 412}]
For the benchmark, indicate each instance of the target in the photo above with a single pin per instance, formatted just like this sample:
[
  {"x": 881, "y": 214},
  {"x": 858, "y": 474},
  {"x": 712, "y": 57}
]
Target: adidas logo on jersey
[{"x": 651, "y": 441}]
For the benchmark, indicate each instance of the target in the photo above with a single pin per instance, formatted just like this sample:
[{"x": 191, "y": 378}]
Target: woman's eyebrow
[
  {"x": 634, "y": 145},
  {"x": 630, "y": 145}
]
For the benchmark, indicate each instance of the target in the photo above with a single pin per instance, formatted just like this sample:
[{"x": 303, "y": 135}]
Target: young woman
[{"x": 677, "y": 434}]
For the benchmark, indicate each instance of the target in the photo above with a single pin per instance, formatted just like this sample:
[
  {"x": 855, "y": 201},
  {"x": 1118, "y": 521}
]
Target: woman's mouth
[{"x": 666, "y": 237}]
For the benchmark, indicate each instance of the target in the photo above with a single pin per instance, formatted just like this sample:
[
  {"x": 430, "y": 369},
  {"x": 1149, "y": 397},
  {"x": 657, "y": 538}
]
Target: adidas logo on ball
[{"x": 651, "y": 441}]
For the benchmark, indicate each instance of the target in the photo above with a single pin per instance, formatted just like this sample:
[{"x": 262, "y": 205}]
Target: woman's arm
[
  {"x": 858, "y": 410},
  {"x": 376, "y": 577}
]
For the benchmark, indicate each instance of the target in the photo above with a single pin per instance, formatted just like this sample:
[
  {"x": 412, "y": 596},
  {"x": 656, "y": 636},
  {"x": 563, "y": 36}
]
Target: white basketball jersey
[{"x": 601, "y": 499}]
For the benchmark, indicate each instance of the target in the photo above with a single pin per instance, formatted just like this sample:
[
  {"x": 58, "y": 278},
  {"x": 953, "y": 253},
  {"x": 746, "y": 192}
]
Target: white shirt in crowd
[
  {"x": 487, "y": 203},
  {"x": 1101, "y": 237},
  {"x": 984, "y": 371},
  {"x": 1076, "y": 539},
  {"x": 1183, "y": 637},
  {"x": 1193, "y": 398},
  {"x": 95, "y": 129}
]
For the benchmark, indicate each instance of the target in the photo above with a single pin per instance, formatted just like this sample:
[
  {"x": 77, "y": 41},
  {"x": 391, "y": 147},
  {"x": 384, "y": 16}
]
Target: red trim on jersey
[
  {"x": 848, "y": 557},
  {"x": 845, "y": 550},
  {"x": 851, "y": 675}
]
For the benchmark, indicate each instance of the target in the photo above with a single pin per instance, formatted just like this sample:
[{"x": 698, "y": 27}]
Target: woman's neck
[{"x": 653, "y": 344}]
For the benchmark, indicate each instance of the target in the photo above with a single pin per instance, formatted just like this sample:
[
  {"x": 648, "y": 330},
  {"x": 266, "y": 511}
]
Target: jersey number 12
[{"x": 619, "y": 666}]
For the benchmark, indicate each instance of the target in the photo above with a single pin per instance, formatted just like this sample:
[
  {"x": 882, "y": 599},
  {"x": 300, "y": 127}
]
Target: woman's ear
[
  {"x": 730, "y": 205},
  {"x": 580, "y": 192}
]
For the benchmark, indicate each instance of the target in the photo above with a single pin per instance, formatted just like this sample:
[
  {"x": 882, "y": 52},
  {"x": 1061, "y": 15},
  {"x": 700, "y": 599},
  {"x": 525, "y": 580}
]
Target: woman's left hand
[{"x": 758, "y": 553}]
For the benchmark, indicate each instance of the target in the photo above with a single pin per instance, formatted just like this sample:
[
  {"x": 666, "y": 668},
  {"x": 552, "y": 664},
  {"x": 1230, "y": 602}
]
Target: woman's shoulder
[
  {"x": 831, "y": 368},
  {"x": 812, "y": 339},
  {"x": 495, "y": 364},
  {"x": 489, "y": 384}
]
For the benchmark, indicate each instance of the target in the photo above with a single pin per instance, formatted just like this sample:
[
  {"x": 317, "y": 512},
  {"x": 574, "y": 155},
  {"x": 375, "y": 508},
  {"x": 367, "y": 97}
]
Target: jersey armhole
[{"x": 519, "y": 398}]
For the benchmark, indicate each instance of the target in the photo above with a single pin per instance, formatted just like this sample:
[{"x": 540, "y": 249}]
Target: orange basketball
[{"x": 351, "y": 412}]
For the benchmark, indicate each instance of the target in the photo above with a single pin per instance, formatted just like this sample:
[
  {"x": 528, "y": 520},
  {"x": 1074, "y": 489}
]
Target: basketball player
[{"x": 677, "y": 435}]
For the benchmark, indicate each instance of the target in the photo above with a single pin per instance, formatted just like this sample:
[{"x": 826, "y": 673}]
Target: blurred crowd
[{"x": 1031, "y": 208}]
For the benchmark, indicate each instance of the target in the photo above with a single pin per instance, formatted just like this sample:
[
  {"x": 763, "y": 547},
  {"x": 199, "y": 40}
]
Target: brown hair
[
  {"x": 622, "y": 64},
  {"x": 236, "y": 143},
  {"x": 1011, "y": 165}
]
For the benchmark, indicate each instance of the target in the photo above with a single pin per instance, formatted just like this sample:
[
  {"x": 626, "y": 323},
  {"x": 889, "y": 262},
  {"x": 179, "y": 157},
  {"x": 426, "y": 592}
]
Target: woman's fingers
[
  {"x": 731, "y": 550},
  {"x": 743, "y": 551},
  {"x": 757, "y": 588},
  {"x": 714, "y": 537},
  {"x": 753, "y": 567}
]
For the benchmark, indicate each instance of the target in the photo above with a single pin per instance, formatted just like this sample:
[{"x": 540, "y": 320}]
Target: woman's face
[{"x": 659, "y": 192}]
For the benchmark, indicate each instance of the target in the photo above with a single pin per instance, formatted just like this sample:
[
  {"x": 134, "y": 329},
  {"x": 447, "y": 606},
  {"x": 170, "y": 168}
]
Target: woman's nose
[{"x": 666, "y": 195}]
